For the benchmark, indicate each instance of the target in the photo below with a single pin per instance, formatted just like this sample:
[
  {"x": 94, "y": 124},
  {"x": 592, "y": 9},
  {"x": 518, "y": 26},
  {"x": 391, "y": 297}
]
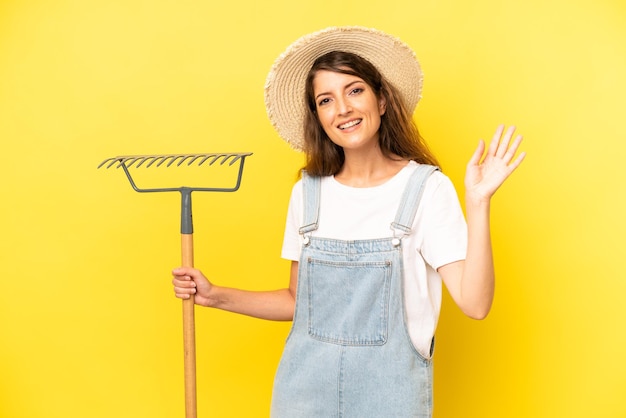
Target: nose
[{"x": 343, "y": 106}]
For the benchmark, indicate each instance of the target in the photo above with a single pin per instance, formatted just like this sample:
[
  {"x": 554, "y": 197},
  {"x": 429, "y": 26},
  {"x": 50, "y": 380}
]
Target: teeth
[{"x": 350, "y": 124}]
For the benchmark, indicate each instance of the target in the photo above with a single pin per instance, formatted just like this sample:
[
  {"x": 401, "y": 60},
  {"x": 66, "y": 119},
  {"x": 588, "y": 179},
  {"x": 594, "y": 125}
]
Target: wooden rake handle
[{"x": 189, "y": 334}]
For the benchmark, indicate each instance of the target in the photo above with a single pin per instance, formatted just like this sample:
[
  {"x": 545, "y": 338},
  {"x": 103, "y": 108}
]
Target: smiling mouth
[{"x": 350, "y": 124}]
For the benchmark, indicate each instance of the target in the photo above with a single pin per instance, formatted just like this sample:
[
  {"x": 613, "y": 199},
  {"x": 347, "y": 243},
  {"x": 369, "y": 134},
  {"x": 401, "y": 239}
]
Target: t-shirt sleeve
[
  {"x": 291, "y": 239},
  {"x": 444, "y": 237}
]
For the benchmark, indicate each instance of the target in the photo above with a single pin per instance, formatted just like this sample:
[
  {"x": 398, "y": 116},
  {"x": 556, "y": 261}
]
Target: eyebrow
[{"x": 350, "y": 84}]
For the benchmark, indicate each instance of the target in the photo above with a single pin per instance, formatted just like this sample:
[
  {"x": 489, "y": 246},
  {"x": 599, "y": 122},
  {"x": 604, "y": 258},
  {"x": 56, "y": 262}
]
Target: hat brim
[{"x": 285, "y": 84}]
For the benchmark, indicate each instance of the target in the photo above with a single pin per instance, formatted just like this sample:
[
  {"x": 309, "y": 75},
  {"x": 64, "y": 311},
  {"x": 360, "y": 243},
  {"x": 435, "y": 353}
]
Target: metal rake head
[{"x": 136, "y": 161}]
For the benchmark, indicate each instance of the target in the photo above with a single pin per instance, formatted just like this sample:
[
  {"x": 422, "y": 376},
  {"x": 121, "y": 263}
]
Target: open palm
[{"x": 487, "y": 171}]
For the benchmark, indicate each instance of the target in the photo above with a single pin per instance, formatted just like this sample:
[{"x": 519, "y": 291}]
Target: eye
[
  {"x": 356, "y": 90},
  {"x": 323, "y": 101}
]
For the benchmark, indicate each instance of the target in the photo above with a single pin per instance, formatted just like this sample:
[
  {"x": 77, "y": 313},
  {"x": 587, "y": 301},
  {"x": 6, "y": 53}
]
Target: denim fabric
[{"x": 348, "y": 354}]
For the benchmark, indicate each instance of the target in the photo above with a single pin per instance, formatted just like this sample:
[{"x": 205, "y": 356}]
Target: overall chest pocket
[{"x": 349, "y": 301}]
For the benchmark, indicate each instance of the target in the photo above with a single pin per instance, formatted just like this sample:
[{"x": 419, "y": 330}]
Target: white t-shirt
[{"x": 439, "y": 236}]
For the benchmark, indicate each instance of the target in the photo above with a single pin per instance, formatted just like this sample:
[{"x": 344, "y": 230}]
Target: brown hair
[{"x": 398, "y": 134}]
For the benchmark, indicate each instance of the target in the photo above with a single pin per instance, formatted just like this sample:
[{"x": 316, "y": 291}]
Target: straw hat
[{"x": 285, "y": 84}]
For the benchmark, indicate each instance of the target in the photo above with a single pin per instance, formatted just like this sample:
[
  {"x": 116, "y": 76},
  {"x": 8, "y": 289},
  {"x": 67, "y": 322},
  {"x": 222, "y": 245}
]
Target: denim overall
[{"x": 348, "y": 354}]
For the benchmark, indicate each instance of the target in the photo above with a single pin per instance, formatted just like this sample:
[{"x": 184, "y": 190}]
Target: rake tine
[
  {"x": 130, "y": 161},
  {"x": 143, "y": 160},
  {"x": 235, "y": 159},
  {"x": 194, "y": 159},
  {"x": 204, "y": 158},
  {"x": 106, "y": 161},
  {"x": 215, "y": 157},
  {"x": 114, "y": 160},
  {"x": 226, "y": 157},
  {"x": 154, "y": 160},
  {"x": 176, "y": 158},
  {"x": 173, "y": 159},
  {"x": 164, "y": 159},
  {"x": 110, "y": 162},
  {"x": 182, "y": 160}
]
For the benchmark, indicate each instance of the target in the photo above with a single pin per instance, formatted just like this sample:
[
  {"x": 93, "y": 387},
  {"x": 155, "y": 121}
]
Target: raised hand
[{"x": 487, "y": 171}]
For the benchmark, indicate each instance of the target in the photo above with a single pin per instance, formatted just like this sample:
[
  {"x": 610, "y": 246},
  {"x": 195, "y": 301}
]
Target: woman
[{"x": 373, "y": 229}]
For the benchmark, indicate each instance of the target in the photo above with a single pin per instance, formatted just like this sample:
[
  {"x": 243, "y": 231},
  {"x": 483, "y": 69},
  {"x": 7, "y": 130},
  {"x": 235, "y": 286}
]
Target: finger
[
  {"x": 478, "y": 153},
  {"x": 183, "y": 295},
  {"x": 184, "y": 282},
  {"x": 495, "y": 141},
  {"x": 517, "y": 161},
  {"x": 184, "y": 291},
  {"x": 503, "y": 145},
  {"x": 512, "y": 149}
]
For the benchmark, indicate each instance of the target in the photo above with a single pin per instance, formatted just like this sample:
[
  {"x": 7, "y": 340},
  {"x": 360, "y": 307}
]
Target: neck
[{"x": 369, "y": 170}]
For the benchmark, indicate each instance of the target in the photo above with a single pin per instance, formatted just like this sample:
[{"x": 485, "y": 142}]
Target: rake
[{"x": 126, "y": 162}]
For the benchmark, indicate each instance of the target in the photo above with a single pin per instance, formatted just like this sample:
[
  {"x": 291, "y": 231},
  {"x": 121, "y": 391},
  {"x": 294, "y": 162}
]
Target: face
[{"x": 347, "y": 109}]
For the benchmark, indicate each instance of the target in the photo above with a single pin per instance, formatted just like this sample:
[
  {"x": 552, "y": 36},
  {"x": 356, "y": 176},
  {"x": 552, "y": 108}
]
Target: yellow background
[{"x": 88, "y": 323}]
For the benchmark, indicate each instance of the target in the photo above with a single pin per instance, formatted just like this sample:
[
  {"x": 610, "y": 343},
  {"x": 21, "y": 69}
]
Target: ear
[{"x": 382, "y": 105}]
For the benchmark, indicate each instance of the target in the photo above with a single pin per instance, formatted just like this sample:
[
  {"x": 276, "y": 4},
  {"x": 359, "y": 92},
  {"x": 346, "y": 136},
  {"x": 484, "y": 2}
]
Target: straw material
[{"x": 284, "y": 87}]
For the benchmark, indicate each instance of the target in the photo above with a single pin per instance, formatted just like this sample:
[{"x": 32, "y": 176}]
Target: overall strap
[
  {"x": 311, "y": 189},
  {"x": 411, "y": 198}
]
